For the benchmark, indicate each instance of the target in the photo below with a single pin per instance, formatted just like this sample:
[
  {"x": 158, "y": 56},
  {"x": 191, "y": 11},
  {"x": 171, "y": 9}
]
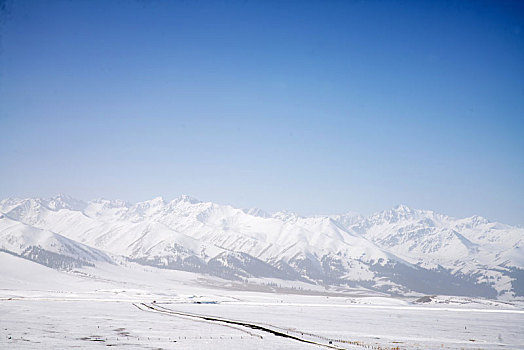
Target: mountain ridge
[{"x": 378, "y": 251}]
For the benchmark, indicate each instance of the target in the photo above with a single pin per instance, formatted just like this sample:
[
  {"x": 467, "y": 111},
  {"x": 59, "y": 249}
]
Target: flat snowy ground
[{"x": 135, "y": 307}]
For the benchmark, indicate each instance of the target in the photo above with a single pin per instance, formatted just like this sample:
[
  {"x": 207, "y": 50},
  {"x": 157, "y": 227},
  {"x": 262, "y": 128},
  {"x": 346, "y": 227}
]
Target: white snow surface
[{"x": 106, "y": 305}]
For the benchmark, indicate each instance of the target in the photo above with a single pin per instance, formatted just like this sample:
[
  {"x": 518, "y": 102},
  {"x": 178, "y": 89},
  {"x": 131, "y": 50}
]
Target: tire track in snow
[
  {"x": 203, "y": 321},
  {"x": 155, "y": 308}
]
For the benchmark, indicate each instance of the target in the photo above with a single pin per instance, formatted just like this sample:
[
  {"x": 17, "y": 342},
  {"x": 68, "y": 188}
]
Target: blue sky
[{"x": 311, "y": 106}]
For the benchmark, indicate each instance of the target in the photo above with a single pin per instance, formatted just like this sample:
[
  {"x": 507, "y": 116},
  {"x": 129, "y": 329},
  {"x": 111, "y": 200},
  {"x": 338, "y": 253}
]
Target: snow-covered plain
[{"x": 133, "y": 306}]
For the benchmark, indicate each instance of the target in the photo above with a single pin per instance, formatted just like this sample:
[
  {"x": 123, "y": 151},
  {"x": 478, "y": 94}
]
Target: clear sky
[{"x": 311, "y": 106}]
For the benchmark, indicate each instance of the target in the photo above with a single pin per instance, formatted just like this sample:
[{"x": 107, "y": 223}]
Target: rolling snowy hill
[
  {"x": 45, "y": 247},
  {"x": 398, "y": 250}
]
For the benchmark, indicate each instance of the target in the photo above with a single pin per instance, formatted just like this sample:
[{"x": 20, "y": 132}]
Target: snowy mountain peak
[
  {"x": 478, "y": 220},
  {"x": 110, "y": 203},
  {"x": 55, "y": 203},
  {"x": 285, "y": 215},
  {"x": 257, "y": 212},
  {"x": 156, "y": 201},
  {"x": 63, "y": 201},
  {"x": 348, "y": 218},
  {"x": 399, "y": 213},
  {"x": 402, "y": 208},
  {"x": 186, "y": 199}
]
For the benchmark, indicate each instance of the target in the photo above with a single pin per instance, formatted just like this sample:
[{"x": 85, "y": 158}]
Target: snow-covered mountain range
[{"x": 399, "y": 250}]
